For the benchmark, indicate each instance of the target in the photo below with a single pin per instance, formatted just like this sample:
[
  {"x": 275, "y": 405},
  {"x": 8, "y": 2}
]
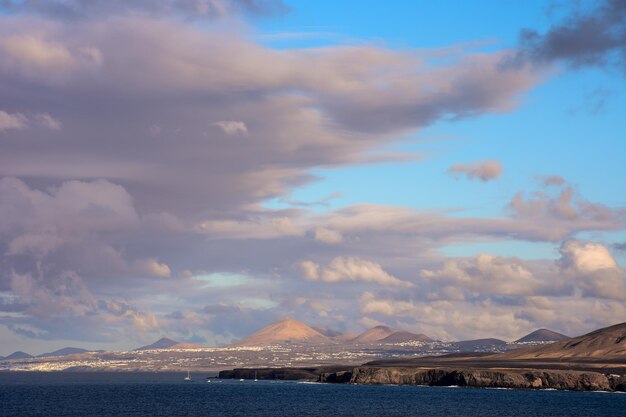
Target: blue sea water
[{"x": 164, "y": 394}]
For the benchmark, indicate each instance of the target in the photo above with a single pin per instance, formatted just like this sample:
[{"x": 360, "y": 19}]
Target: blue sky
[
  {"x": 197, "y": 170},
  {"x": 572, "y": 124}
]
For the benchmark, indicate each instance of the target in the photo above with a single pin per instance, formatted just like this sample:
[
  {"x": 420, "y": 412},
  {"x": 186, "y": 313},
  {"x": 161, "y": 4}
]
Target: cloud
[
  {"x": 567, "y": 206},
  {"x": 153, "y": 267},
  {"x": 47, "y": 121},
  {"x": 553, "y": 180},
  {"x": 594, "y": 268},
  {"x": 138, "y": 183},
  {"x": 12, "y": 121},
  {"x": 458, "y": 320},
  {"x": 232, "y": 128},
  {"x": 73, "y": 208},
  {"x": 586, "y": 257},
  {"x": 483, "y": 275},
  {"x": 19, "y": 121},
  {"x": 328, "y": 236},
  {"x": 195, "y": 9},
  {"x": 585, "y": 38},
  {"x": 350, "y": 269},
  {"x": 36, "y": 57},
  {"x": 343, "y": 113},
  {"x": 485, "y": 170}
]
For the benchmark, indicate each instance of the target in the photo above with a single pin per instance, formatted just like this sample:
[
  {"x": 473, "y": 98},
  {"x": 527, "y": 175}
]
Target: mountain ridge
[
  {"x": 605, "y": 343},
  {"x": 286, "y": 330},
  {"x": 542, "y": 335}
]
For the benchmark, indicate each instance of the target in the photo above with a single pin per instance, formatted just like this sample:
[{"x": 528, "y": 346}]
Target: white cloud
[
  {"x": 285, "y": 227},
  {"x": 485, "y": 274},
  {"x": 37, "y": 57},
  {"x": 19, "y": 121},
  {"x": 153, "y": 268},
  {"x": 591, "y": 267},
  {"x": 232, "y": 128},
  {"x": 47, "y": 121},
  {"x": 586, "y": 257},
  {"x": 350, "y": 269},
  {"x": 15, "y": 121},
  {"x": 327, "y": 235}
]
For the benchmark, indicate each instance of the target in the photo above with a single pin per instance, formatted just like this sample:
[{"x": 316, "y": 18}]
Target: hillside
[
  {"x": 608, "y": 343},
  {"x": 183, "y": 345},
  {"x": 63, "y": 352},
  {"x": 406, "y": 337},
  {"x": 478, "y": 344},
  {"x": 284, "y": 331},
  {"x": 163, "y": 343},
  {"x": 542, "y": 336},
  {"x": 19, "y": 355},
  {"x": 374, "y": 334}
]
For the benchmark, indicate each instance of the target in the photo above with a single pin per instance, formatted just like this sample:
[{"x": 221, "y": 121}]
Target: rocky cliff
[{"x": 481, "y": 378}]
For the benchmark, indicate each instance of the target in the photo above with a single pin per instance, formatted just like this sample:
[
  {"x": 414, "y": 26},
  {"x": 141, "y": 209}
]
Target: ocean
[{"x": 166, "y": 394}]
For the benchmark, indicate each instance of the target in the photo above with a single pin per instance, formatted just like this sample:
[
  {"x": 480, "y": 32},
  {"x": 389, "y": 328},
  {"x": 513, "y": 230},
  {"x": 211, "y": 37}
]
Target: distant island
[
  {"x": 592, "y": 362},
  {"x": 290, "y": 349}
]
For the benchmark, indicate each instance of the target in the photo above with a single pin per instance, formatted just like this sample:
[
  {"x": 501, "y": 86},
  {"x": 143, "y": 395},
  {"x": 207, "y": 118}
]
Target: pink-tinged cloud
[
  {"x": 484, "y": 171},
  {"x": 350, "y": 269}
]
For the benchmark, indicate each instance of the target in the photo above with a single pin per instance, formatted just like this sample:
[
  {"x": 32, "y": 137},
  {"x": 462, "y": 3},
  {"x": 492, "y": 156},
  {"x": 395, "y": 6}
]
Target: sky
[{"x": 197, "y": 169}]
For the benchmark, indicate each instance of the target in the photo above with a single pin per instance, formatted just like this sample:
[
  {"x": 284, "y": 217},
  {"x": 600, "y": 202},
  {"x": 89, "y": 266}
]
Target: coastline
[{"x": 520, "y": 378}]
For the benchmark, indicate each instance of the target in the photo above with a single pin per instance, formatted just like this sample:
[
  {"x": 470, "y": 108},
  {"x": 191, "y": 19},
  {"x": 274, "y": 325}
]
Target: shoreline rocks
[{"x": 480, "y": 378}]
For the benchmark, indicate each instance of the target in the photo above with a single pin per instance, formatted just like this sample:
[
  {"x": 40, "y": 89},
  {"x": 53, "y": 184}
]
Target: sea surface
[{"x": 166, "y": 394}]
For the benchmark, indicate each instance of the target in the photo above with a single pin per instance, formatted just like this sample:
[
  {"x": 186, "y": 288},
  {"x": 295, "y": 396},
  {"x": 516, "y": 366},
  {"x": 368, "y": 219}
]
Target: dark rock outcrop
[
  {"x": 482, "y": 378},
  {"x": 305, "y": 374}
]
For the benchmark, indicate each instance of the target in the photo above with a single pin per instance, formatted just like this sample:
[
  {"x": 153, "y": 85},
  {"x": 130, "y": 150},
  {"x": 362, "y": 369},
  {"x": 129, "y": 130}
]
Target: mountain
[
  {"x": 374, "y": 334},
  {"x": 542, "y": 335},
  {"x": 185, "y": 346},
  {"x": 405, "y": 337},
  {"x": 284, "y": 331},
  {"x": 478, "y": 344},
  {"x": 64, "y": 352},
  {"x": 163, "y": 343},
  {"x": 346, "y": 337},
  {"x": 19, "y": 355},
  {"x": 608, "y": 343},
  {"x": 328, "y": 332}
]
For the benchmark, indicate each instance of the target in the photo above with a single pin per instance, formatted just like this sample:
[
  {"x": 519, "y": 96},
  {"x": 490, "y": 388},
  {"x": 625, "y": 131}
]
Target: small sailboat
[
  {"x": 241, "y": 380},
  {"x": 188, "y": 377},
  {"x": 255, "y": 378}
]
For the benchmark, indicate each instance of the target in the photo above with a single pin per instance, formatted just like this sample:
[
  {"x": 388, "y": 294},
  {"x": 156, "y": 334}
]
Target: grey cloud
[
  {"x": 585, "y": 38},
  {"x": 619, "y": 247},
  {"x": 137, "y": 192},
  {"x": 12, "y": 121},
  {"x": 458, "y": 320},
  {"x": 567, "y": 206},
  {"x": 297, "y": 119},
  {"x": 19, "y": 121},
  {"x": 484, "y": 170},
  {"x": 485, "y": 275},
  {"x": 190, "y": 9},
  {"x": 553, "y": 180}
]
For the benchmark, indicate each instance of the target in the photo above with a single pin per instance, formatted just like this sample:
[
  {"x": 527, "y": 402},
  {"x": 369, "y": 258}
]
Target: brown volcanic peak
[
  {"x": 284, "y": 331},
  {"x": 404, "y": 337},
  {"x": 185, "y": 346},
  {"x": 328, "y": 332},
  {"x": 606, "y": 343},
  {"x": 542, "y": 335},
  {"x": 374, "y": 334}
]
